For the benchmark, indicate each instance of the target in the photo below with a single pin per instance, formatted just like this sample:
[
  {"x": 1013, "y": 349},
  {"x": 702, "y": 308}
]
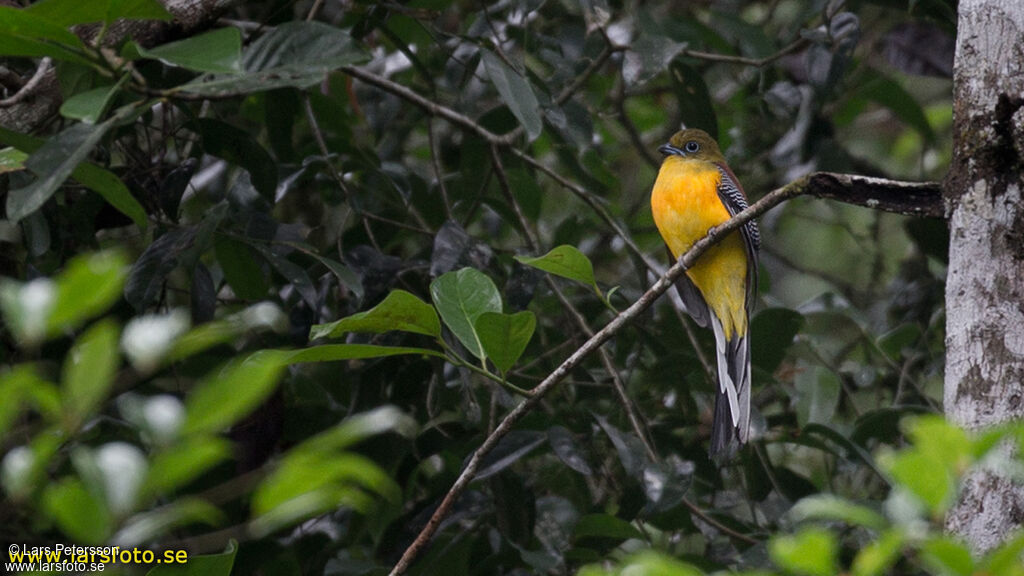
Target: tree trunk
[{"x": 985, "y": 285}]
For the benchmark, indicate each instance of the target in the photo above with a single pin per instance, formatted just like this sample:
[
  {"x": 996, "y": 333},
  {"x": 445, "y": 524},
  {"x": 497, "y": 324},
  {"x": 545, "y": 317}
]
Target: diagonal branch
[{"x": 596, "y": 341}]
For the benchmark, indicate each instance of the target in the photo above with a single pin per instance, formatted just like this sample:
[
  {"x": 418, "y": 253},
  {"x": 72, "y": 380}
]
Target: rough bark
[
  {"x": 44, "y": 99},
  {"x": 985, "y": 286}
]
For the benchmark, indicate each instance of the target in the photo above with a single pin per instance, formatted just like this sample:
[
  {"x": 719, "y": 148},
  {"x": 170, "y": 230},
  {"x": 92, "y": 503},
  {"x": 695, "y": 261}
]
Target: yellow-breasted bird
[{"x": 695, "y": 191}]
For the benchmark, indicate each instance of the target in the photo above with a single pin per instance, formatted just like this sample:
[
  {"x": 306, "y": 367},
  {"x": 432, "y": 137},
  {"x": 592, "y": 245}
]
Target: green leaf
[
  {"x": 943, "y": 555},
  {"x": 515, "y": 91},
  {"x": 924, "y": 476},
  {"x": 811, "y": 551},
  {"x": 461, "y": 297},
  {"x": 262, "y": 316},
  {"x": 201, "y": 565},
  {"x": 337, "y": 352},
  {"x": 565, "y": 261},
  {"x": 53, "y": 163},
  {"x": 184, "y": 462},
  {"x": 238, "y": 147},
  {"x": 829, "y": 507},
  {"x": 88, "y": 286},
  {"x": 817, "y": 391},
  {"x": 941, "y": 441},
  {"x": 894, "y": 341},
  {"x": 295, "y": 54},
  {"x": 605, "y": 526},
  {"x": 153, "y": 524},
  {"x": 23, "y": 33},
  {"x": 400, "y": 310},
  {"x": 228, "y": 394},
  {"x": 218, "y": 50},
  {"x": 648, "y": 56},
  {"x": 97, "y": 179},
  {"x": 357, "y": 428},
  {"x": 504, "y": 336},
  {"x": 774, "y": 329},
  {"x": 79, "y": 513},
  {"x": 90, "y": 106},
  {"x": 879, "y": 556},
  {"x": 89, "y": 371},
  {"x": 241, "y": 270},
  {"x": 12, "y": 160},
  {"x": 67, "y": 13},
  {"x": 889, "y": 93}
]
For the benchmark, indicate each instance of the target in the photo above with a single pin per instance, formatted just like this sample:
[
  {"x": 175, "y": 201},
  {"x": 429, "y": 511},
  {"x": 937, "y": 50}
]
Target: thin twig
[
  {"x": 755, "y": 62},
  {"x": 28, "y": 90}
]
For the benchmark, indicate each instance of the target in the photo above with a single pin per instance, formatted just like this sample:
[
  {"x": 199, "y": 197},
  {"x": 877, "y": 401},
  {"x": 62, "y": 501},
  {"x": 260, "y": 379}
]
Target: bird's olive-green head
[{"x": 693, "y": 144}]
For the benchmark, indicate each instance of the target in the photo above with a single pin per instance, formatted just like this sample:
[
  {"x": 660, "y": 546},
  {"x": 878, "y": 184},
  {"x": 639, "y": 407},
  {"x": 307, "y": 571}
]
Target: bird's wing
[
  {"x": 735, "y": 201},
  {"x": 693, "y": 301}
]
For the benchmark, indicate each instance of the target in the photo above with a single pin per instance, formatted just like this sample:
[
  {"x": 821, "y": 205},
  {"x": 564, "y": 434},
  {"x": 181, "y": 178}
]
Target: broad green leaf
[
  {"x": 88, "y": 286},
  {"x": 305, "y": 472},
  {"x": 926, "y": 477},
  {"x": 146, "y": 279},
  {"x": 565, "y": 261},
  {"x": 153, "y": 524},
  {"x": 879, "y": 556},
  {"x": 400, "y": 310},
  {"x": 357, "y": 428},
  {"x": 504, "y": 336},
  {"x": 774, "y": 329},
  {"x": 90, "y": 106},
  {"x": 829, "y": 507},
  {"x": 241, "y": 270},
  {"x": 67, "y": 13},
  {"x": 337, "y": 352},
  {"x": 12, "y": 160},
  {"x": 605, "y": 526},
  {"x": 218, "y": 50},
  {"x": 53, "y": 163},
  {"x": 941, "y": 441},
  {"x": 258, "y": 317},
  {"x": 649, "y": 56},
  {"x": 228, "y": 394},
  {"x": 79, "y": 513},
  {"x": 93, "y": 177},
  {"x": 810, "y": 552},
  {"x": 565, "y": 447},
  {"x": 182, "y": 463},
  {"x": 646, "y": 563},
  {"x": 894, "y": 341},
  {"x": 200, "y": 565},
  {"x": 515, "y": 91},
  {"x": 294, "y": 54},
  {"x": 89, "y": 371},
  {"x": 461, "y": 297},
  {"x": 238, "y": 147},
  {"x": 817, "y": 391},
  {"x": 23, "y": 33},
  {"x": 944, "y": 555}
]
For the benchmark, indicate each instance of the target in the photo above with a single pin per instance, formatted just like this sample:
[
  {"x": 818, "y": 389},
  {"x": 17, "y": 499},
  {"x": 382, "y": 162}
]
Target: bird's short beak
[{"x": 669, "y": 150}]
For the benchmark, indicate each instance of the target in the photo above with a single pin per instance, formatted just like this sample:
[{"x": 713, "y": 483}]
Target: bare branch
[
  {"x": 596, "y": 341},
  {"x": 30, "y": 87}
]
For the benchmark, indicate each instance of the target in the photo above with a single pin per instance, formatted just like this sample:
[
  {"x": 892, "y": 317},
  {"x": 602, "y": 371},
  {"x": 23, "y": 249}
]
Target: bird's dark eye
[{"x": 691, "y": 147}]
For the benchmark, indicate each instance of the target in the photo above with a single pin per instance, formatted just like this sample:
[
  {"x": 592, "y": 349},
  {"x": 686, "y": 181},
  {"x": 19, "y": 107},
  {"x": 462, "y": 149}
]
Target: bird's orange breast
[{"x": 685, "y": 204}]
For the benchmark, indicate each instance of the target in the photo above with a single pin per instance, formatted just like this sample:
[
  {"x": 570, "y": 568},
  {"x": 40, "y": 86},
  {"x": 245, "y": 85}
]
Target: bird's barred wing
[{"x": 735, "y": 201}]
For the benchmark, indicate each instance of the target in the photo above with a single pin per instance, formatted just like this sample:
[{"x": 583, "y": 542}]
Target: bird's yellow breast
[{"x": 685, "y": 204}]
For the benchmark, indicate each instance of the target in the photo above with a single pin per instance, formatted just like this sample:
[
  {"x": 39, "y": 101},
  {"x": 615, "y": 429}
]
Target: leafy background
[{"x": 270, "y": 285}]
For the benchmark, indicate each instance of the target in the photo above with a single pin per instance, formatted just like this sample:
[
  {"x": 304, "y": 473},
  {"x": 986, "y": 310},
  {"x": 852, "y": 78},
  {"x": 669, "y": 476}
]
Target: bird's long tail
[{"x": 732, "y": 401}]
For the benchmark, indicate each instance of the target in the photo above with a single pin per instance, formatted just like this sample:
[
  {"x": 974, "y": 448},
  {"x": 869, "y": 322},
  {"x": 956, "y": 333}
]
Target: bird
[{"x": 696, "y": 190}]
